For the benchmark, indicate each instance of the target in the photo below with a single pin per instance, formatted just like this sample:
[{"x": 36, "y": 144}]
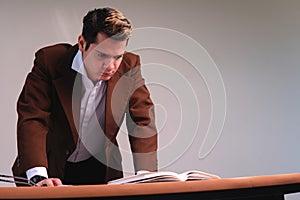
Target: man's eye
[
  {"x": 102, "y": 55},
  {"x": 118, "y": 57}
]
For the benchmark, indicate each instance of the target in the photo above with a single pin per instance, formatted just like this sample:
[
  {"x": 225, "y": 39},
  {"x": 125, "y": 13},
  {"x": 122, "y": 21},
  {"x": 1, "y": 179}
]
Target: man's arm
[
  {"x": 140, "y": 121},
  {"x": 33, "y": 109}
]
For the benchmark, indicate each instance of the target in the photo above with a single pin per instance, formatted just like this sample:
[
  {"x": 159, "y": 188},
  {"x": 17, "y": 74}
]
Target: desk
[{"x": 247, "y": 188}]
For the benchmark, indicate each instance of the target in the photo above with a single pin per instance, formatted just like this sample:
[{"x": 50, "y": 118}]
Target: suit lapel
[
  {"x": 117, "y": 95},
  {"x": 68, "y": 87}
]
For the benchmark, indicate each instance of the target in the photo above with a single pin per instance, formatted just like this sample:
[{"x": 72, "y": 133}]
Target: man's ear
[{"x": 81, "y": 43}]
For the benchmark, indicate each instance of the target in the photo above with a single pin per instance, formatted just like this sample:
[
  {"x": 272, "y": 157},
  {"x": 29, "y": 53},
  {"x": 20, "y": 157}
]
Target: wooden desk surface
[{"x": 289, "y": 183}]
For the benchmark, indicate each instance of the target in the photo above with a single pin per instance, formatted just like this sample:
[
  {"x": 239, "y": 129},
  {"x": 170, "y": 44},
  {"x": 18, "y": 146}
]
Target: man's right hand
[{"x": 50, "y": 182}]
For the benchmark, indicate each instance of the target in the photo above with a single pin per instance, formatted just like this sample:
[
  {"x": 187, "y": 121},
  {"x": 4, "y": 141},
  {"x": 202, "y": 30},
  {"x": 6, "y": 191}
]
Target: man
[{"x": 73, "y": 103}]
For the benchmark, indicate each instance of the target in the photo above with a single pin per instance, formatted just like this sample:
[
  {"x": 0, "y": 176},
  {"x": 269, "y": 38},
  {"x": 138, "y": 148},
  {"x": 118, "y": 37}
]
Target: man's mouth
[{"x": 106, "y": 74}]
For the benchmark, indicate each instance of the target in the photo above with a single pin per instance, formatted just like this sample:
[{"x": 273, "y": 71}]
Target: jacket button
[
  {"x": 67, "y": 152},
  {"x": 18, "y": 162}
]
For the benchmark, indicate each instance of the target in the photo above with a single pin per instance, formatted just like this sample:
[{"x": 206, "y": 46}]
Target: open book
[{"x": 164, "y": 176}]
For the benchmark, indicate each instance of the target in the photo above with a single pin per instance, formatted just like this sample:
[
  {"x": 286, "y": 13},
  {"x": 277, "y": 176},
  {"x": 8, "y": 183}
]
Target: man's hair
[{"x": 109, "y": 21}]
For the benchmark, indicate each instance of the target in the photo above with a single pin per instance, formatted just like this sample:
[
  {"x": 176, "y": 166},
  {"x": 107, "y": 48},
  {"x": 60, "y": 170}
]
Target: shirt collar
[{"x": 78, "y": 66}]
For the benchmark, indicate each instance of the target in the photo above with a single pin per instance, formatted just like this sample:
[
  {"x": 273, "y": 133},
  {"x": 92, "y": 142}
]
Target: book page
[
  {"x": 163, "y": 176},
  {"x": 146, "y": 176},
  {"x": 197, "y": 175}
]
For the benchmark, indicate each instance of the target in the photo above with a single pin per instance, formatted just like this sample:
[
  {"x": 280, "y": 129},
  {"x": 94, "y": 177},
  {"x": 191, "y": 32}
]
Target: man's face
[{"x": 103, "y": 58}]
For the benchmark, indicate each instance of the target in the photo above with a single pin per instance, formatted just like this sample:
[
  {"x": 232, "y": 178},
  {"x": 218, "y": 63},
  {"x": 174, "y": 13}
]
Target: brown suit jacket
[{"x": 47, "y": 115}]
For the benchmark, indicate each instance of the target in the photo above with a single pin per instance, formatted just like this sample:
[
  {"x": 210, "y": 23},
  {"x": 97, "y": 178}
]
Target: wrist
[
  {"x": 37, "y": 178},
  {"x": 42, "y": 171}
]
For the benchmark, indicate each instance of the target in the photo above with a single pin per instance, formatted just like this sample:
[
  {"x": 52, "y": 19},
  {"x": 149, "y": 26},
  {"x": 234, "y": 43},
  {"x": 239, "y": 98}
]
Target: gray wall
[{"x": 252, "y": 48}]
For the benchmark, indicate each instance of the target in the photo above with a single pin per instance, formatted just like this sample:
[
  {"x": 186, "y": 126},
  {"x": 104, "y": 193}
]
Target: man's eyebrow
[{"x": 116, "y": 56}]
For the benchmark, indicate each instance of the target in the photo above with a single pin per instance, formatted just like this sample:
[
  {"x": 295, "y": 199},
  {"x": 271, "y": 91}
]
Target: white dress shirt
[{"x": 91, "y": 134}]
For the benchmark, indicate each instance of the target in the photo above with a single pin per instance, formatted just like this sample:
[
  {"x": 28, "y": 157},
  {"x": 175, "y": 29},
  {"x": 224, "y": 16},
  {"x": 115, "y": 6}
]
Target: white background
[{"x": 254, "y": 43}]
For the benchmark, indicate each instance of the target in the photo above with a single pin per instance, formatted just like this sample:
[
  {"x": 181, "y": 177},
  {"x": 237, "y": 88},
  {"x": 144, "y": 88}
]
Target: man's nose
[{"x": 109, "y": 64}]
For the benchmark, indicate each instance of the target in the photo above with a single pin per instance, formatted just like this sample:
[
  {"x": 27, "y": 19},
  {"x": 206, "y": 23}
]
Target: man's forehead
[{"x": 110, "y": 47}]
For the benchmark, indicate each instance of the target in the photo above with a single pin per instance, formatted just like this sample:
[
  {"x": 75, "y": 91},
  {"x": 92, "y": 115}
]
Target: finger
[
  {"x": 46, "y": 182},
  {"x": 56, "y": 181}
]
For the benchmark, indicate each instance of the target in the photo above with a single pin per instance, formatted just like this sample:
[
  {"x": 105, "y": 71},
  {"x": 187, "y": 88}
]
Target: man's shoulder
[
  {"x": 56, "y": 48},
  {"x": 56, "y": 59},
  {"x": 53, "y": 54},
  {"x": 131, "y": 59}
]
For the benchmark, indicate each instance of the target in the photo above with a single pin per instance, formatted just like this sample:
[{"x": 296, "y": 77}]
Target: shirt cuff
[{"x": 41, "y": 171}]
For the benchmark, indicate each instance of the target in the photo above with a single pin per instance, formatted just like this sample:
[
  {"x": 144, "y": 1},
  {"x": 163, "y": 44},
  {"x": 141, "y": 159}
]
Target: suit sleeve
[
  {"x": 141, "y": 124},
  {"x": 33, "y": 109}
]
